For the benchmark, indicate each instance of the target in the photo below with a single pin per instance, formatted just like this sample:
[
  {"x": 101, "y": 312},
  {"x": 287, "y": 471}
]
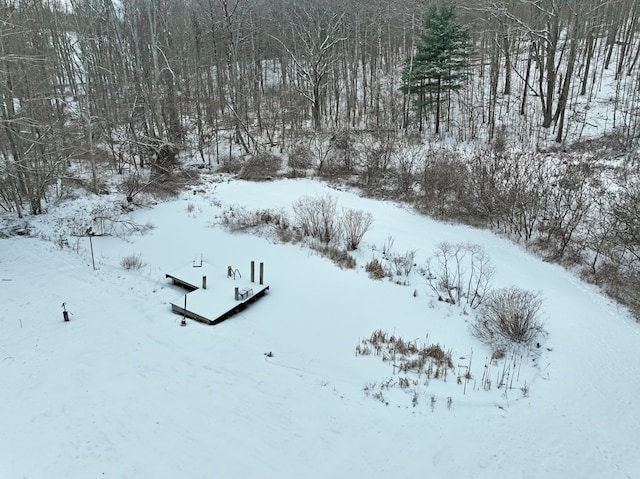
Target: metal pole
[
  {"x": 261, "y": 272},
  {"x": 93, "y": 261}
]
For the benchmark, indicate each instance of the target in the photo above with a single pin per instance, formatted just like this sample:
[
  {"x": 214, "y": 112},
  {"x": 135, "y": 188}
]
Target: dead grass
[
  {"x": 339, "y": 256},
  {"x": 407, "y": 356}
]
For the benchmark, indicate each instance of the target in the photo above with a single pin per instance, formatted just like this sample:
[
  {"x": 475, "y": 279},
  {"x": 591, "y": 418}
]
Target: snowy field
[{"x": 123, "y": 391}]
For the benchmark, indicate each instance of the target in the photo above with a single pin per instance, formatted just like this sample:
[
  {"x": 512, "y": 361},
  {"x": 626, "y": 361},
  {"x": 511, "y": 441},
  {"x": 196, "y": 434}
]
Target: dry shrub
[
  {"x": 239, "y": 218},
  {"x": 498, "y": 353},
  {"x": 355, "y": 224},
  {"x": 300, "y": 158},
  {"x": 375, "y": 269},
  {"x": 132, "y": 262},
  {"x": 509, "y": 315},
  {"x": 339, "y": 256},
  {"x": 318, "y": 218},
  {"x": 261, "y": 166},
  {"x": 231, "y": 165},
  {"x": 438, "y": 354},
  {"x": 407, "y": 355}
]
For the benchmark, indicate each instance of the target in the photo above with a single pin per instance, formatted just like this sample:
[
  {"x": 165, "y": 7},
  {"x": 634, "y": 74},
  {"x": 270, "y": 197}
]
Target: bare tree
[{"x": 310, "y": 38}]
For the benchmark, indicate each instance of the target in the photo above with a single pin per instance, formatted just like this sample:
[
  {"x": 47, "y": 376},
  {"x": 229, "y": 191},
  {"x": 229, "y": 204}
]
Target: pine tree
[{"x": 440, "y": 64}]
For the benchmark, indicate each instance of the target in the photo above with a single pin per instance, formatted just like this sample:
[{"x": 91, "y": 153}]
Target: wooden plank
[{"x": 181, "y": 283}]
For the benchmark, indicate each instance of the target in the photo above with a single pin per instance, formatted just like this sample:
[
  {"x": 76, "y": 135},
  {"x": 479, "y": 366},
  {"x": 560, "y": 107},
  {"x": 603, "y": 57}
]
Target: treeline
[
  {"x": 93, "y": 88},
  {"x": 115, "y": 81}
]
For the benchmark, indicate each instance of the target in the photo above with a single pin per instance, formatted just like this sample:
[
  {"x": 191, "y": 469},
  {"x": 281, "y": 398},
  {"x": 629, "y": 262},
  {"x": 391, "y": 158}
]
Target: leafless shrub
[
  {"x": 239, "y": 218},
  {"x": 380, "y": 397},
  {"x": 343, "y": 154},
  {"x": 171, "y": 185},
  {"x": 509, "y": 315},
  {"x": 375, "y": 269},
  {"x": 132, "y": 185},
  {"x": 406, "y": 163},
  {"x": 498, "y": 353},
  {"x": 157, "y": 183},
  {"x": 398, "y": 264},
  {"x": 458, "y": 272},
  {"x": 318, "y": 218},
  {"x": 355, "y": 224},
  {"x": 402, "y": 263},
  {"x": 442, "y": 180},
  {"x": 261, "y": 166},
  {"x": 362, "y": 350},
  {"x": 231, "y": 165},
  {"x": 132, "y": 262},
  {"x": 415, "y": 397},
  {"x": 387, "y": 246},
  {"x": 300, "y": 158},
  {"x": 165, "y": 161},
  {"x": 61, "y": 242},
  {"x": 368, "y": 387}
]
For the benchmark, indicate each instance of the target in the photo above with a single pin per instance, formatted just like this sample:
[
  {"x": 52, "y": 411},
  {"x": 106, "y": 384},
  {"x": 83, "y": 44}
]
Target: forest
[{"x": 531, "y": 129}]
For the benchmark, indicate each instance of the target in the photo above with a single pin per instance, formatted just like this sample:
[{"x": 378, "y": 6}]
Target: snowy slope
[{"x": 123, "y": 391}]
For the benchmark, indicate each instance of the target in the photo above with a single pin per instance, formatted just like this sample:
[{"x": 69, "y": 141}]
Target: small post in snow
[
  {"x": 90, "y": 234},
  {"x": 184, "y": 315}
]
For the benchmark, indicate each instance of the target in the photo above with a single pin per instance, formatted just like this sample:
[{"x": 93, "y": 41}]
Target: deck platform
[{"x": 212, "y": 293}]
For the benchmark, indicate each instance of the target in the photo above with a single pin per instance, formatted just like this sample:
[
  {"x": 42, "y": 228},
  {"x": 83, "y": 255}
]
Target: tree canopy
[{"x": 441, "y": 61}]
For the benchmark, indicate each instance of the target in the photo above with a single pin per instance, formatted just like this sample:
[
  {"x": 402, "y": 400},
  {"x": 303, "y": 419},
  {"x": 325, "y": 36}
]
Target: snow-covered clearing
[{"x": 123, "y": 391}]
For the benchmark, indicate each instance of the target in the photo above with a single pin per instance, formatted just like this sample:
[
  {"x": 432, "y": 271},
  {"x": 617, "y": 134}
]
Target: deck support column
[
  {"x": 261, "y": 272},
  {"x": 253, "y": 271},
  {"x": 237, "y": 293},
  {"x": 204, "y": 282}
]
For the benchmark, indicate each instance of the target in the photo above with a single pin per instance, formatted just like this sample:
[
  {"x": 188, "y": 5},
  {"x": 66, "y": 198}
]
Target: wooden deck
[{"x": 212, "y": 293}]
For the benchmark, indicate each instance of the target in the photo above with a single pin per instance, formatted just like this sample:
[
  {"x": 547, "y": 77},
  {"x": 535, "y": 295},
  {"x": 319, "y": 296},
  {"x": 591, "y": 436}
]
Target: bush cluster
[
  {"x": 132, "y": 262},
  {"x": 317, "y": 221},
  {"x": 509, "y": 316},
  {"x": 261, "y": 166}
]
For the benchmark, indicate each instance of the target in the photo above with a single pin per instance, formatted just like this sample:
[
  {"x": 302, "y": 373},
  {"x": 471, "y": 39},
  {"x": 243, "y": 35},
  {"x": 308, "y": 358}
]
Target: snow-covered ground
[{"x": 123, "y": 391}]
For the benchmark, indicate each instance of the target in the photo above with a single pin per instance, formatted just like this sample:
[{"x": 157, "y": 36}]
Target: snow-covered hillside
[{"x": 123, "y": 391}]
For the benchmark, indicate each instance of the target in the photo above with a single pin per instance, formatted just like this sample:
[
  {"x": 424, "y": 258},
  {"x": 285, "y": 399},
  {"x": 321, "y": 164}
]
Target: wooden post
[
  {"x": 261, "y": 272},
  {"x": 204, "y": 282},
  {"x": 184, "y": 314},
  {"x": 237, "y": 293},
  {"x": 253, "y": 271}
]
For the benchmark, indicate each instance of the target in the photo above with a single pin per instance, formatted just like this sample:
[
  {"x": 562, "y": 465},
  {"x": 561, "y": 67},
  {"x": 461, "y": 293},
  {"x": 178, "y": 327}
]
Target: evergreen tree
[{"x": 441, "y": 61}]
